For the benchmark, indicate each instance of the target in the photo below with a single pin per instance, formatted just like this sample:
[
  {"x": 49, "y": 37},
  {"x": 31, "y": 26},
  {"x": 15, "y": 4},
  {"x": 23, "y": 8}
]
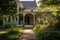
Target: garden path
[{"x": 28, "y": 34}]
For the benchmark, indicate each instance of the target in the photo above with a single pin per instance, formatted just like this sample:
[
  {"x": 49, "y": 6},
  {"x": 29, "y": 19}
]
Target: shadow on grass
[{"x": 12, "y": 34}]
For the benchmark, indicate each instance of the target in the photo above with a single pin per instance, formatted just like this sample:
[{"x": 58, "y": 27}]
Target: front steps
[{"x": 28, "y": 26}]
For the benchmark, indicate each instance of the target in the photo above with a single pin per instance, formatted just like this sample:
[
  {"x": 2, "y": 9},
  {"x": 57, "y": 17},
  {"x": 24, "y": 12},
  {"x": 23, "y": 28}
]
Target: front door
[{"x": 29, "y": 19}]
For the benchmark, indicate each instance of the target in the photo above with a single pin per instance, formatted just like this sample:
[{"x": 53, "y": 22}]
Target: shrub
[
  {"x": 1, "y": 21},
  {"x": 9, "y": 25},
  {"x": 57, "y": 25},
  {"x": 1, "y": 27},
  {"x": 12, "y": 34},
  {"x": 48, "y": 33},
  {"x": 43, "y": 34}
]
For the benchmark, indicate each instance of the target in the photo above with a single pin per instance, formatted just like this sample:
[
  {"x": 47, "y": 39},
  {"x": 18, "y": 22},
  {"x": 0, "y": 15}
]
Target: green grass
[{"x": 11, "y": 34}]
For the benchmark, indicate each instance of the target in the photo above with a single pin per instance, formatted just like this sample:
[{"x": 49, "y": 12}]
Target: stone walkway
[{"x": 28, "y": 34}]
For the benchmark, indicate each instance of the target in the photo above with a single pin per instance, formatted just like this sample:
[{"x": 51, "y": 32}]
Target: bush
[
  {"x": 57, "y": 25},
  {"x": 1, "y": 21},
  {"x": 1, "y": 27},
  {"x": 9, "y": 25},
  {"x": 12, "y": 34},
  {"x": 48, "y": 33}
]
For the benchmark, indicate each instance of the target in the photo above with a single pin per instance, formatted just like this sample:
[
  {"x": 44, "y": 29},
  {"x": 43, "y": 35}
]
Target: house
[{"x": 27, "y": 12}]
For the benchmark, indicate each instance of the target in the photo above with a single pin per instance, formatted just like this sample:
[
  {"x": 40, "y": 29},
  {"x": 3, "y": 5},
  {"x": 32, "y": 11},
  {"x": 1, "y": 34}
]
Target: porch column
[
  {"x": 23, "y": 18},
  {"x": 34, "y": 19}
]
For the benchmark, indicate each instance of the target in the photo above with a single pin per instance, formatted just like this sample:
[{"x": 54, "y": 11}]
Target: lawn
[{"x": 11, "y": 34}]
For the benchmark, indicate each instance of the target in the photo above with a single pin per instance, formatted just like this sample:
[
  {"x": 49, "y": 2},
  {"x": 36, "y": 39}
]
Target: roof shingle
[{"x": 29, "y": 4}]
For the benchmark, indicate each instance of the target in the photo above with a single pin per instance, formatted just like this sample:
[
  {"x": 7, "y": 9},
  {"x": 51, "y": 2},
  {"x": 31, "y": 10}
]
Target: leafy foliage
[
  {"x": 57, "y": 25},
  {"x": 45, "y": 19},
  {"x": 8, "y": 7},
  {"x": 9, "y": 25},
  {"x": 12, "y": 34},
  {"x": 48, "y": 33},
  {"x": 51, "y": 32},
  {"x": 1, "y": 21},
  {"x": 50, "y": 2}
]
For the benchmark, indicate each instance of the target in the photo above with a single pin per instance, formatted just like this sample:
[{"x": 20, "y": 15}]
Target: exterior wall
[
  {"x": 32, "y": 9},
  {"x": 6, "y": 20}
]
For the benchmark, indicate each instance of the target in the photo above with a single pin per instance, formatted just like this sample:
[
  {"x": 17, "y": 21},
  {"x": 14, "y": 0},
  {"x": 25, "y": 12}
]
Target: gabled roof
[{"x": 28, "y": 4}]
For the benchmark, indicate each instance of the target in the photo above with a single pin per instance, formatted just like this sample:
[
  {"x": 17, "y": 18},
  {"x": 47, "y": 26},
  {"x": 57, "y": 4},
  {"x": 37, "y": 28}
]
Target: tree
[
  {"x": 50, "y": 2},
  {"x": 8, "y": 7},
  {"x": 55, "y": 6}
]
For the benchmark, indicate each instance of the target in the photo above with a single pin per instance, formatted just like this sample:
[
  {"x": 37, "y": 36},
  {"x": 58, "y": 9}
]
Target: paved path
[{"x": 28, "y": 34}]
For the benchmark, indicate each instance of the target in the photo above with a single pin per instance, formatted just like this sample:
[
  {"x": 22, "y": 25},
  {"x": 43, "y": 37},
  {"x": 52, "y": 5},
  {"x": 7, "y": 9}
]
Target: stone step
[{"x": 28, "y": 26}]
